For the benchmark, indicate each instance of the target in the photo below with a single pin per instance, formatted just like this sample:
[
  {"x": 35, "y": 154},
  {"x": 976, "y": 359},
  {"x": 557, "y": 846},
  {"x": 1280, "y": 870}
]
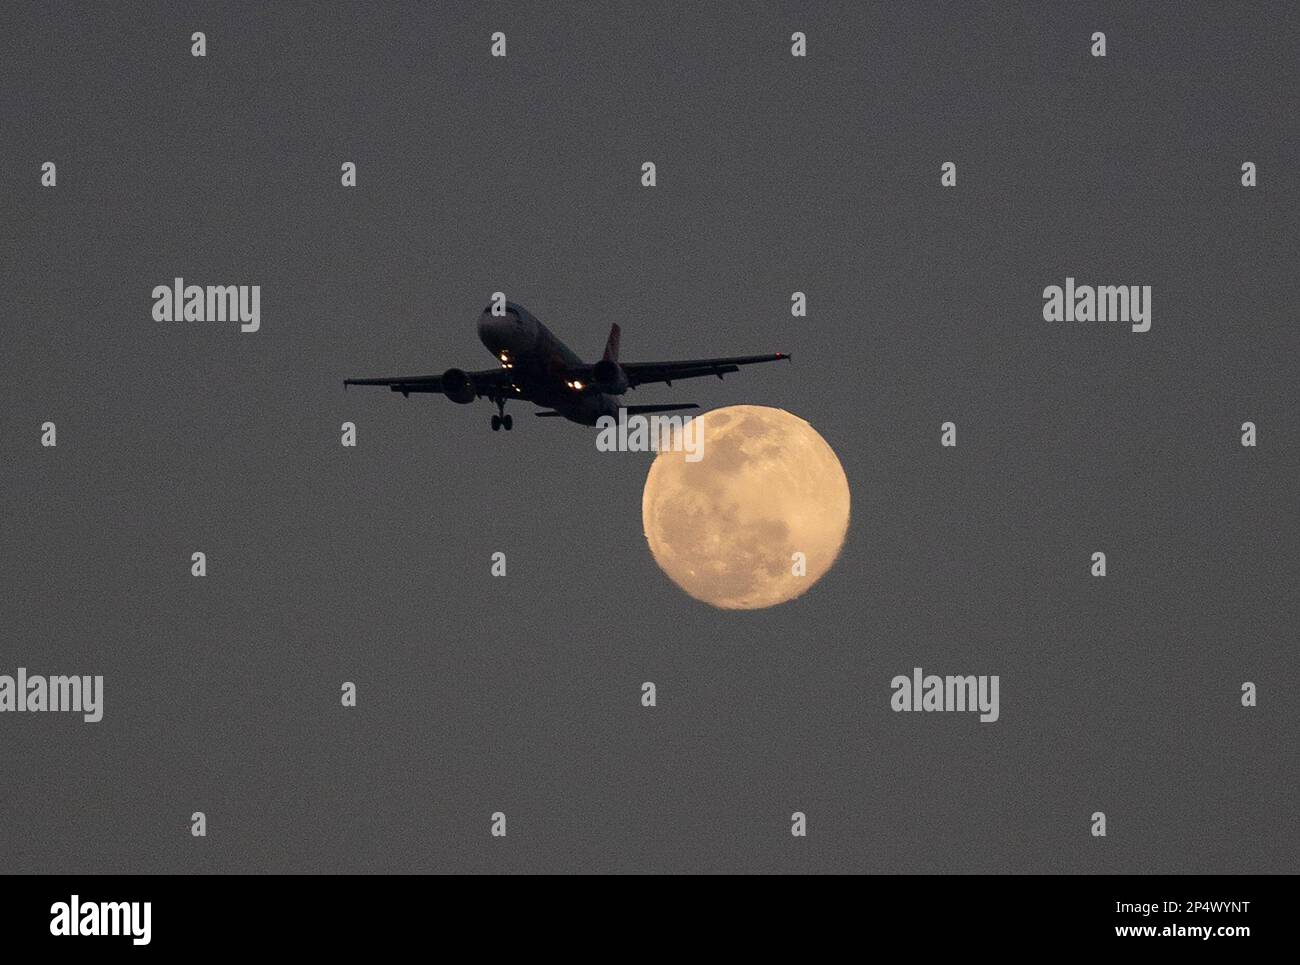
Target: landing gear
[{"x": 502, "y": 421}]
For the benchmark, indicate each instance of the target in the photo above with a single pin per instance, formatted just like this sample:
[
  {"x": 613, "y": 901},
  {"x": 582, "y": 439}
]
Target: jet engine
[
  {"x": 458, "y": 386},
  {"x": 609, "y": 377}
]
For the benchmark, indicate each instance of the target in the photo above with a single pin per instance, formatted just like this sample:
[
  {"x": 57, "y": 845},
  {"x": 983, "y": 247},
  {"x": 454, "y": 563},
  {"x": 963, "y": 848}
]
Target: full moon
[{"x": 728, "y": 528}]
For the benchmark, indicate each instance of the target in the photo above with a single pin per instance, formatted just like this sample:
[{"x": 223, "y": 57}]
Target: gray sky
[{"x": 521, "y": 694}]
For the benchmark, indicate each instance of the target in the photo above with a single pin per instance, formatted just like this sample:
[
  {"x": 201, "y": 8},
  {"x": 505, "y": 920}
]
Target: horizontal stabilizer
[
  {"x": 639, "y": 409},
  {"x": 630, "y": 409},
  {"x": 640, "y": 373}
]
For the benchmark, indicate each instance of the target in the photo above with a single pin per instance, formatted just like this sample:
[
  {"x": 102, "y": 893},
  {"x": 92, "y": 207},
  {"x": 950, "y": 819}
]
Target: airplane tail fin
[{"x": 611, "y": 343}]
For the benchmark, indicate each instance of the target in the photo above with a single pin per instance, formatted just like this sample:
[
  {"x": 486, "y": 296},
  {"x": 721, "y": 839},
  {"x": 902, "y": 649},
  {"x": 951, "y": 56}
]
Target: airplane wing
[
  {"x": 639, "y": 373},
  {"x": 486, "y": 382}
]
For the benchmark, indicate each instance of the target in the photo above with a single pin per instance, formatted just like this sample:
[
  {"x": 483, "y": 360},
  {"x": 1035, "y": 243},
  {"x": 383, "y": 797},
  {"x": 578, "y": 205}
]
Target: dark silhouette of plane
[{"x": 537, "y": 367}]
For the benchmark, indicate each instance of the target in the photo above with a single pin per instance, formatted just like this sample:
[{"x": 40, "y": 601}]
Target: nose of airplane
[
  {"x": 512, "y": 333},
  {"x": 491, "y": 330}
]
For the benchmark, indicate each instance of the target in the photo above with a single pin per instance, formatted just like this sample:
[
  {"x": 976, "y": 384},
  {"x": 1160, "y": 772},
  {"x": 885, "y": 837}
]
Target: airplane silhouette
[{"x": 537, "y": 367}]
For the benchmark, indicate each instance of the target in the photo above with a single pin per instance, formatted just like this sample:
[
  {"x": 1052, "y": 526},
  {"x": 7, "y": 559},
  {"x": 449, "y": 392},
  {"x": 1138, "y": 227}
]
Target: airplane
[{"x": 535, "y": 366}]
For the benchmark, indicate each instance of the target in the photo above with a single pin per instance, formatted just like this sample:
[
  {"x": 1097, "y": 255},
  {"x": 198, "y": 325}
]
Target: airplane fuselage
[{"x": 538, "y": 363}]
